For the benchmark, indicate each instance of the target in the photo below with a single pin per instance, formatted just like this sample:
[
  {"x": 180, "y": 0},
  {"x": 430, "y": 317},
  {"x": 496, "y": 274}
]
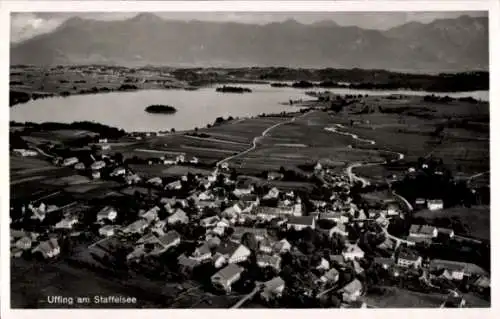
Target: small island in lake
[
  {"x": 159, "y": 108},
  {"x": 233, "y": 89}
]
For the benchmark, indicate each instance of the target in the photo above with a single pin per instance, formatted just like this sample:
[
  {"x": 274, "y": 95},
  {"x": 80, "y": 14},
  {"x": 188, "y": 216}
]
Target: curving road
[
  {"x": 352, "y": 176},
  {"x": 258, "y": 138}
]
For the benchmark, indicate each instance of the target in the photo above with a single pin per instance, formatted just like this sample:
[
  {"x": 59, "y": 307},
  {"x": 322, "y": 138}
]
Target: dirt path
[
  {"x": 352, "y": 176},
  {"x": 258, "y": 138}
]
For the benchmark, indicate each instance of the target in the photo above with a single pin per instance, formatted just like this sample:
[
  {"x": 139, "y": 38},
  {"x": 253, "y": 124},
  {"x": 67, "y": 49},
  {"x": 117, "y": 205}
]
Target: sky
[{"x": 26, "y": 25}]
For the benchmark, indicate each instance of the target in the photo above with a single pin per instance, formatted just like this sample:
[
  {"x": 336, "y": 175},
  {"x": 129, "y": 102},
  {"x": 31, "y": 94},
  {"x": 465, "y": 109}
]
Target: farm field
[
  {"x": 401, "y": 298},
  {"x": 476, "y": 217}
]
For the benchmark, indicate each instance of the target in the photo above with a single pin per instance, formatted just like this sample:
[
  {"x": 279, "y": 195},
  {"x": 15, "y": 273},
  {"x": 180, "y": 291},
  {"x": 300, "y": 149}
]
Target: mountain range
[{"x": 445, "y": 45}]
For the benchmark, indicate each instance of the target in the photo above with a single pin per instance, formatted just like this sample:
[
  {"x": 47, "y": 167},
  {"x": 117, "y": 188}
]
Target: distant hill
[{"x": 444, "y": 45}]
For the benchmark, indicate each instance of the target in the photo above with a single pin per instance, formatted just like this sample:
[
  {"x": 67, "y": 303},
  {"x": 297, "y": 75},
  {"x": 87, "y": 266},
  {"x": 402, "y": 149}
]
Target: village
[{"x": 231, "y": 236}]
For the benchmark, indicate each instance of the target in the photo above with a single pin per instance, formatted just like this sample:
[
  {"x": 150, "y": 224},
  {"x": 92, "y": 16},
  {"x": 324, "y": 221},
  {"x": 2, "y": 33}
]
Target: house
[
  {"x": 318, "y": 166},
  {"x": 205, "y": 196},
  {"x": 301, "y": 222},
  {"x": 167, "y": 241},
  {"x": 174, "y": 185},
  {"x": 273, "y": 176},
  {"x": 233, "y": 252},
  {"x": 482, "y": 283},
  {"x": 147, "y": 239},
  {"x": 385, "y": 263},
  {"x": 107, "y": 231},
  {"x": 454, "y": 300},
  {"x": 219, "y": 260},
  {"x": 282, "y": 246},
  {"x": 16, "y": 252},
  {"x": 179, "y": 216},
  {"x": 132, "y": 179},
  {"x": 337, "y": 217},
  {"x": 352, "y": 252},
  {"x": 420, "y": 202},
  {"x": 331, "y": 276},
  {"x": 137, "y": 253},
  {"x": 458, "y": 270},
  {"x": 323, "y": 264},
  {"x": 424, "y": 231},
  {"x": 338, "y": 260},
  {"x": 243, "y": 190},
  {"x": 409, "y": 259},
  {"x": 80, "y": 166},
  {"x": 338, "y": 229},
  {"x": 96, "y": 174},
  {"x": 273, "y": 288},
  {"x": 180, "y": 158},
  {"x": 49, "y": 248},
  {"x": 209, "y": 221},
  {"x": 119, "y": 171},
  {"x": 67, "y": 223},
  {"x": 23, "y": 243},
  {"x": 103, "y": 140},
  {"x": 351, "y": 291},
  {"x": 265, "y": 246},
  {"x": 446, "y": 232},
  {"x": 392, "y": 210},
  {"x": 264, "y": 261},
  {"x": 98, "y": 165},
  {"x": 186, "y": 264},
  {"x": 194, "y": 160},
  {"x": 219, "y": 231},
  {"x": 136, "y": 227},
  {"x": 24, "y": 152},
  {"x": 225, "y": 277},
  {"x": 434, "y": 204},
  {"x": 224, "y": 165},
  {"x": 107, "y": 212},
  {"x": 259, "y": 233},
  {"x": 150, "y": 215},
  {"x": 70, "y": 161},
  {"x": 202, "y": 253},
  {"x": 272, "y": 194},
  {"x": 155, "y": 181}
]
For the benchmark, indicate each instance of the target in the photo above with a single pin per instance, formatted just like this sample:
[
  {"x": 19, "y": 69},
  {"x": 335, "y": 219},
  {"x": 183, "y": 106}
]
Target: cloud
[{"x": 27, "y": 25}]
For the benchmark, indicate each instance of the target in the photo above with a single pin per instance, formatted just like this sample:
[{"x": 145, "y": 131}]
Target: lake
[{"x": 194, "y": 108}]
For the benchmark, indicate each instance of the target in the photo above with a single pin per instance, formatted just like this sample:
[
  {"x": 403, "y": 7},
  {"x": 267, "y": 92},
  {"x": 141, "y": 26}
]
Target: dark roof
[
  {"x": 331, "y": 274},
  {"x": 353, "y": 286},
  {"x": 227, "y": 247},
  {"x": 422, "y": 229},
  {"x": 408, "y": 255},
  {"x": 240, "y": 231},
  {"x": 446, "y": 231},
  {"x": 229, "y": 271},
  {"x": 301, "y": 220},
  {"x": 438, "y": 264},
  {"x": 169, "y": 237},
  {"x": 273, "y": 284},
  {"x": 418, "y": 239},
  {"x": 186, "y": 262}
]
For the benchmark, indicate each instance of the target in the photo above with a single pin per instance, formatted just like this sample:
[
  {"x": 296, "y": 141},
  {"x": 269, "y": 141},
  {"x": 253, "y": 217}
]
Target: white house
[
  {"x": 434, "y": 204},
  {"x": 119, "y": 171},
  {"x": 353, "y": 252},
  {"x": 67, "y": 223},
  {"x": 301, "y": 222},
  {"x": 98, "y": 165},
  {"x": 107, "y": 231},
  {"x": 70, "y": 161},
  {"x": 49, "y": 248},
  {"x": 107, "y": 212},
  {"x": 225, "y": 277}
]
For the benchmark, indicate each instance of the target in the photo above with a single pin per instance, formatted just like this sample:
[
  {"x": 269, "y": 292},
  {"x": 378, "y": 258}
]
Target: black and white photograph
[{"x": 248, "y": 159}]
